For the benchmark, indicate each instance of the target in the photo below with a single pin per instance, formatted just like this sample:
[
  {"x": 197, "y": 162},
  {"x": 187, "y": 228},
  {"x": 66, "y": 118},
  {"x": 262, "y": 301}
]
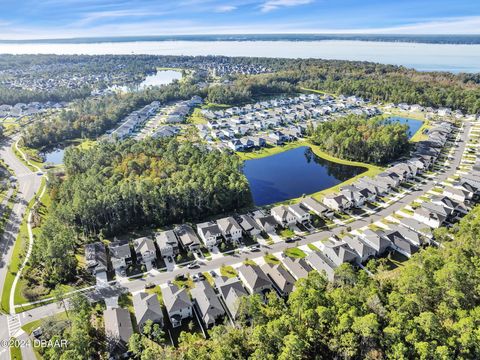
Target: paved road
[
  {"x": 162, "y": 278},
  {"x": 28, "y": 184}
]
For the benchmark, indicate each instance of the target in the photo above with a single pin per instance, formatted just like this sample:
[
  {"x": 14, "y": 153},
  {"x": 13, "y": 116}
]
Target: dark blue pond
[
  {"x": 413, "y": 125},
  {"x": 293, "y": 173}
]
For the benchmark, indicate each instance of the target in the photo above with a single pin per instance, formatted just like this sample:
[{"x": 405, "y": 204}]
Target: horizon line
[{"x": 333, "y": 34}]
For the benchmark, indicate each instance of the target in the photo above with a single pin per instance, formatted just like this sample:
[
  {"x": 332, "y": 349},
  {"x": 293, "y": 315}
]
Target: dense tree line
[
  {"x": 429, "y": 308},
  {"x": 375, "y": 140},
  {"x": 115, "y": 186},
  {"x": 81, "y": 329}
]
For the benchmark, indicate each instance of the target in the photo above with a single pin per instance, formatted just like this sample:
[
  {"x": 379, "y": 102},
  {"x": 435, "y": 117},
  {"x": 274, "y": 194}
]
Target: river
[{"x": 423, "y": 57}]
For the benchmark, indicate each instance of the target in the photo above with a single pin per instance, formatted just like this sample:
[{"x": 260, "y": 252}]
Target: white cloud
[
  {"x": 225, "y": 8},
  {"x": 114, "y": 14},
  {"x": 275, "y": 4}
]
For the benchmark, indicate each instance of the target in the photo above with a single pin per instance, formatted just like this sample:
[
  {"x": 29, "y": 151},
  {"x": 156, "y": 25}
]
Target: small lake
[
  {"x": 293, "y": 173},
  {"x": 54, "y": 156},
  {"x": 413, "y": 124},
  {"x": 162, "y": 77}
]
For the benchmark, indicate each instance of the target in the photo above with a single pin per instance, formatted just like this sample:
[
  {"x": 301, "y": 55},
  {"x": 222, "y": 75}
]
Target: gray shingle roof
[
  {"x": 207, "y": 301},
  {"x": 175, "y": 298},
  {"x": 118, "y": 324},
  {"x": 147, "y": 307}
]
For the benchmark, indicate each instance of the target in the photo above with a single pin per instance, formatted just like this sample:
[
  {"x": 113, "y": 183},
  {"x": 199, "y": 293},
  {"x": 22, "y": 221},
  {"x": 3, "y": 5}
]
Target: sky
[{"x": 37, "y": 19}]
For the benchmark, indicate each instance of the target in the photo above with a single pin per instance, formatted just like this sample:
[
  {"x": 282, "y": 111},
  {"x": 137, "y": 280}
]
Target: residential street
[{"x": 28, "y": 184}]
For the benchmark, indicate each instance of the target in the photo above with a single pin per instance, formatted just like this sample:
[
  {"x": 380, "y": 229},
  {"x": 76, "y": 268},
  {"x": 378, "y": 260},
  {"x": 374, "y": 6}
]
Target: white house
[
  {"x": 283, "y": 216},
  {"x": 429, "y": 218},
  {"x": 210, "y": 233},
  {"x": 167, "y": 243},
  {"x": 302, "y": 214},
  {"x": 177, "y": 303},
  {"x": 336, "y": 202},
  {"x": 230, "y": 228},
  {"x": 145, "y": 251}
]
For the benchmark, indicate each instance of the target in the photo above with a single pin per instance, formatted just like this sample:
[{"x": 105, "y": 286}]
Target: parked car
[
  {"x": 255, "y": 248},
  {"x": 37, "y": 332},
  {"x": 149, "y": 285},
  {"x": 193, "y": 265}
]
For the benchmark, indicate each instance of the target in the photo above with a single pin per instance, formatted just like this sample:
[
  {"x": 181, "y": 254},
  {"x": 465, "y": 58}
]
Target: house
[
  {"x": 283, "y": 216},
  {"x": 209, "y": 307},
  {"x": 440, "y": 209},
  {"x": 254, "y": 279},
  {"x": 339, "y": 253},
  {"x": 400, "y": 244},
  {"x": 231, "y": 291},
  {"x": 353, "y": 195},
  {"x": 210, "y": 233},
  {"x": 337, "y": 202},
  {"x": 96, "y": 258},
  {"x": 266, "y": 222},
  {"x": 322, "y": 264},
  {"x": 118, "y": 325},
  {"x": 249, "y": 225},
  {"x": 230, "y": 229},
  {"x": 282, "y": 280},
  {"x": 408, "y": 234},
  {"x": 298, "y": 267},
  {"x": 187, "y": 237},
  {"x": 145, "y": 250},
  {"x": 167, "y": 243},
  {"x": 455, "y": 206},
  {"x": 120, "y": 255},
  {"x": 147, "y": 307},
  {"x": 177, "y": 303},
  {"x": 457, "y": 194},
  {"x": 316, "y": 207},
  {"x": 417, "y": 226},
  {"x": 429, "y": 218},
  {"x": 301, "y": 214},
  {"x": 361, "y": 247},
  {"x": 471, "y": 178}
]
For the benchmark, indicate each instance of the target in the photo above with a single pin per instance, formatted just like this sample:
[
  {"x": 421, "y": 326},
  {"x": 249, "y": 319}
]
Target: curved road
[{"x": 28, "y": 184}]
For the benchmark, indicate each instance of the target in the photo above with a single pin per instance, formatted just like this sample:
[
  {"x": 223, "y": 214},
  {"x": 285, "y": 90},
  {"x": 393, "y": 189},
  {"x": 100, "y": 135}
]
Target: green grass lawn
[
  {"x": 185, "y": 283},
  {"x": 15, "y": 352},
  {"x": 29, "y": 327},
  {"x": 209, "y": 278},
  {"x": 271, "y": 259},
  {"x": 286, "y": 233},
  {"x": 313, "y": 247},
  {"x": 295, "y": 253},
  {"x": 196, "y": 117},
  {"x": 228, "y": 271},
  {"x": 250, "y": 262}
]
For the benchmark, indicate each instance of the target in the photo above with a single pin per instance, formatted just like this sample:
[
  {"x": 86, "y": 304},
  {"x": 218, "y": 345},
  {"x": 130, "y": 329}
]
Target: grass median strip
[{"x": 17, "y": 256}]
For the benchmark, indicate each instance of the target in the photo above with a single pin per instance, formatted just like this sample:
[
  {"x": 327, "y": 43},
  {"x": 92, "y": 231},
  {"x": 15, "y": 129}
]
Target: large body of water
[
  {"x": 420, "y": 56},
  {"x": 293, "y": 173}
]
